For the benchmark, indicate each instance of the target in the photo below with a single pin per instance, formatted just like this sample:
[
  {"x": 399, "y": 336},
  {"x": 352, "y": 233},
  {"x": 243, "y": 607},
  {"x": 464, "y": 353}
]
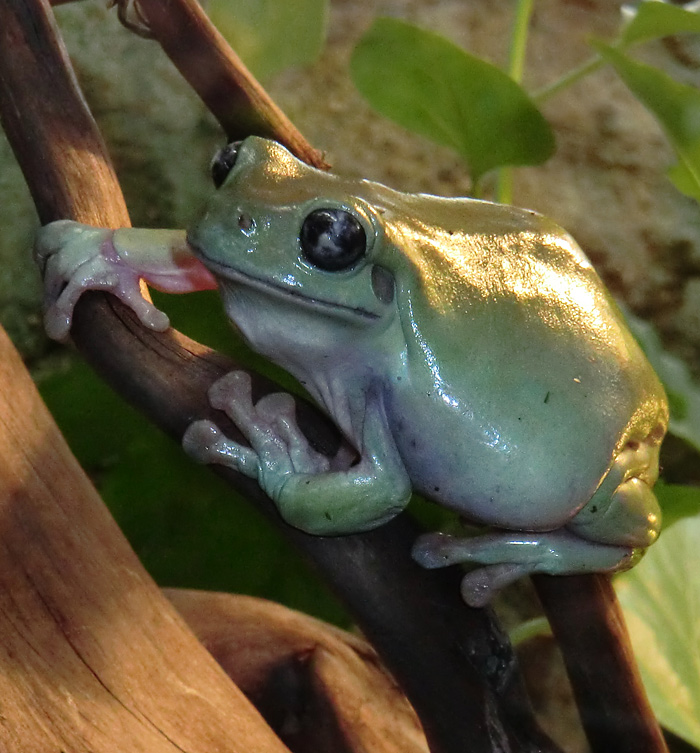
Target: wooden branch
[
  {"x": 589, "y": 626},
  {"x": 217, "y": 74},
  {"x": 456, "y": 666},
  {"x": 92, "y": 656},
  {"x": 311, "y": 682},
  {"x": 72, "y": 174}
]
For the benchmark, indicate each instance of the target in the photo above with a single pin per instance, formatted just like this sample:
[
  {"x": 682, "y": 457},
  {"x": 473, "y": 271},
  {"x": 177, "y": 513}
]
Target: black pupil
[
  {"x": 332, "y": 239},
  {"x": 223, "y": 161}
]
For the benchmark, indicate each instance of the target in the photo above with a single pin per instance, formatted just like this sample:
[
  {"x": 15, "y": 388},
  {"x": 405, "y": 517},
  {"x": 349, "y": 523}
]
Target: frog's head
[{"x": 294, "y": 249}]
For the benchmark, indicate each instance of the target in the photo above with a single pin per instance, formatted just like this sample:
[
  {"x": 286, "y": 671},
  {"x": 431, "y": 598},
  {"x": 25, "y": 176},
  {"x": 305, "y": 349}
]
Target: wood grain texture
[
  {"x": 92, "y": 656},
  {"x": 454, "y": 663},
  {"x": 319, "y": 687}
]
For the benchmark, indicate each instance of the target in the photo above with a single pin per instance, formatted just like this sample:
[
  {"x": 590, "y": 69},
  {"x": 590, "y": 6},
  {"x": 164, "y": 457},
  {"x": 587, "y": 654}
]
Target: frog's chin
[{"x": 354, "y": 314}]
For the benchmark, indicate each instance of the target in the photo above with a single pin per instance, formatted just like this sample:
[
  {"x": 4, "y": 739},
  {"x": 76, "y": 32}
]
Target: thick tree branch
[
  {"x": 589, "y": 626},
  {"x": 457, "y": 668},
  {"x": 92, "y": 656},
  {"x": 217, "y": 74}
]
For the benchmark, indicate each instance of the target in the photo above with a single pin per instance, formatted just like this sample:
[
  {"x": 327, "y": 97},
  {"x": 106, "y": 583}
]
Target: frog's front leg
[
  {"x": 308, "y": 493},
  {"x": 74, "y": 258},
  {"x": 507, "y": 556}
]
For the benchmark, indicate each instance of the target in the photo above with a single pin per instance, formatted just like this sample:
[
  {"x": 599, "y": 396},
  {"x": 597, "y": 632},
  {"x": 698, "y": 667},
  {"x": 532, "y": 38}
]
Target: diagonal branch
[
  {"x": 589, "y": 626},
  {"x": 217, "y": 74},
  {"x": 454, "y": 663}
]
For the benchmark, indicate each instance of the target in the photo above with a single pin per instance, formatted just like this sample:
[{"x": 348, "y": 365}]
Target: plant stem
[
  {"x": 516, "y": 65},
  {"x": 518, "y": 42},
  {"x": 569, "y": 78}
]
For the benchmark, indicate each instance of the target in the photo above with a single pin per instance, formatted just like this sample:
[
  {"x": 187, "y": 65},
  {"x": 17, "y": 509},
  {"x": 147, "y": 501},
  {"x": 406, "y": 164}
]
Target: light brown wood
[
  {"x": 321, "y": 688},
  {"x": 92, "y": 656}
]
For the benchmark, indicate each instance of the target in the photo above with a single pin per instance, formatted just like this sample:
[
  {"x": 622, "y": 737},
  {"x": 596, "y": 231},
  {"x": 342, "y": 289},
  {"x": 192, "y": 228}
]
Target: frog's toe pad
[
  {"x": 204, "y": 442},
  {"x": 230, "y": 391},
  {"x": 480, "y": 585},
  {"x": 433, "y": 550}
]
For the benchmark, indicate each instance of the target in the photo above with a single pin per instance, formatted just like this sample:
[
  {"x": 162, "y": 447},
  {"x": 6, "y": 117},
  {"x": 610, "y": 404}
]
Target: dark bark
[{"x": 589, "y": 626}]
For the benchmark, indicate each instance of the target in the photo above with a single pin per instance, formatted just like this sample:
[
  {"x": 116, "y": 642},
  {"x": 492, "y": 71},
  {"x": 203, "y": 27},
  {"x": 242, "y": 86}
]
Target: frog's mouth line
[{"x": 267, "y": 286}]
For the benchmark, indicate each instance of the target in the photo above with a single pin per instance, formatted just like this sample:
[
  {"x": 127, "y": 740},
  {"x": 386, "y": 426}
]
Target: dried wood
[
  {"x": 217, "y": 74},
  {"x": 92, "y": 656},
  {"x": 319, "y": 687}
]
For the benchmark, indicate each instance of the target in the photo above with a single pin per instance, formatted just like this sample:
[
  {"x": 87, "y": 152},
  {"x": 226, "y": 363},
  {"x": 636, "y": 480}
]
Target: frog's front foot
[
  {"x": 278, "y": 448},
  {"x": 74, "y": 258},
  {"x": 507, "y": 556}
]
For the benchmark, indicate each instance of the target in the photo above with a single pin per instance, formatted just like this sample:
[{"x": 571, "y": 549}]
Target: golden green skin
[
  {"x": 471, "y": 353},
  {"x": 510, "y": 381}
]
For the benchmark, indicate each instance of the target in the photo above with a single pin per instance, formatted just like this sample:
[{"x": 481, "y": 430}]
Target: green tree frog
[{"x": 468, "y": 350}]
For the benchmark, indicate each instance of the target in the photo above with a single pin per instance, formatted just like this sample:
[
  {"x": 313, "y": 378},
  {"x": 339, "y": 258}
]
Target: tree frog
[{"x": 468, "y": 350}]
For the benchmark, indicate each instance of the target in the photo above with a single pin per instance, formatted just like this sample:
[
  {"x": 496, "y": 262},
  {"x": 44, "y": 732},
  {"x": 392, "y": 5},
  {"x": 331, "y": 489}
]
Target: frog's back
[{"x": 525, "y": 381}]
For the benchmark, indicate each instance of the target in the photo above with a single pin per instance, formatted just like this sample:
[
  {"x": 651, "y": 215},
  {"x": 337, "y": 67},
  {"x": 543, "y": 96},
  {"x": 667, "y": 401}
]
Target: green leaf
[
  {"x": 683, "y": 393},
  {"x": 684, "y": 180},
  {"x": 677, "y": 502},
  {"x": 270, "y": 35},
  {"x": 654, "y": 19},
  {"x": 661, "y": 601},
  {"x": 675, "y": 105},
  {"x": 432, "y": 87}
]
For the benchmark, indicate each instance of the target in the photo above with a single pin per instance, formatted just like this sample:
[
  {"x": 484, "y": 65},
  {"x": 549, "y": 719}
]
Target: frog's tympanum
[{"x": 466, "y": 349}]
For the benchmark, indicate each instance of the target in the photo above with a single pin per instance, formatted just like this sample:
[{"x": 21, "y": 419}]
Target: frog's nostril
[
  {"x": 652, "y": 439},
  {"x": 656, "y": 435}
]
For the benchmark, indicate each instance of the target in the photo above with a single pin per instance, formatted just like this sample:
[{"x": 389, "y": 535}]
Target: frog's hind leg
[{"x": 508, "y": 555}]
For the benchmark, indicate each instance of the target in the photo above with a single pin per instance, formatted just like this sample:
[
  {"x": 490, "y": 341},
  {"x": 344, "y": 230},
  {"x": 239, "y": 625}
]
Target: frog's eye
[
  {"x": 223, "y": 161},
  {"x": 332, "y": 239}
]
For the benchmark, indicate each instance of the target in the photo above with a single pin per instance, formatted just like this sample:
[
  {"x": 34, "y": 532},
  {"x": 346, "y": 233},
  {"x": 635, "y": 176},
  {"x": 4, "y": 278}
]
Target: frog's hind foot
[{"x": 507, "y": 556}]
